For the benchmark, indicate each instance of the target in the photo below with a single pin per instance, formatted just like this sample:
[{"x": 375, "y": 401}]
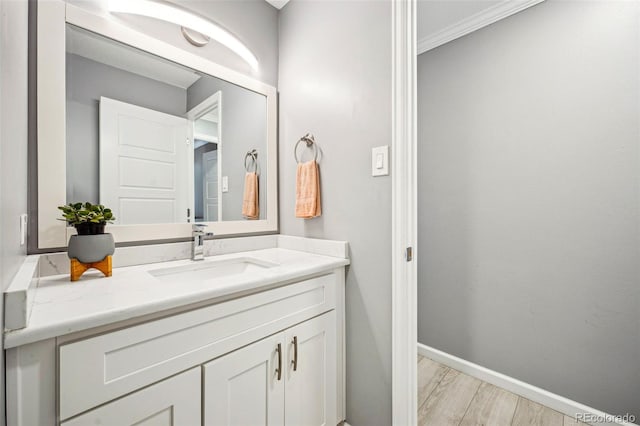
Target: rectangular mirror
[
  {"x": 161, "y": 136},
  {"x": 151, "y": 139}
]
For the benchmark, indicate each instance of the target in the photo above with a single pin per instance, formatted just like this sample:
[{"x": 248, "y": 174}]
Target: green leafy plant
[{"x": 87, "y": 218}]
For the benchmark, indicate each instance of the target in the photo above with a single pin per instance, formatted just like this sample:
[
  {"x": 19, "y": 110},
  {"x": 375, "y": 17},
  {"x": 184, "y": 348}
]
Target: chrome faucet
[{"x": 197, "y": 246}]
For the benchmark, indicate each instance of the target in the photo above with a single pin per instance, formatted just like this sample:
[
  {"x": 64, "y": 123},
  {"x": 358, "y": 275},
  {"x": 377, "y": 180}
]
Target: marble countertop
[{"x": 61, "y": 307}]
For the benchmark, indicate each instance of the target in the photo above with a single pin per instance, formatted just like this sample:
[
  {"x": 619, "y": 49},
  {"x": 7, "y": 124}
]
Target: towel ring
[
  {"x": 253, "y": 155},
  {"x": 311, "y": 143}
]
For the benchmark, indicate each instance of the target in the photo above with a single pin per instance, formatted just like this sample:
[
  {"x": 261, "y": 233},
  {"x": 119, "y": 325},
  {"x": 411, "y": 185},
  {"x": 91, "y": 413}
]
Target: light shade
[{"x": 175, "y": 15}]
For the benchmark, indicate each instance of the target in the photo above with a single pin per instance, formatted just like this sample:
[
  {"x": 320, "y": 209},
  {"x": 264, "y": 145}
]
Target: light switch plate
[
  {"x": 225, "y": 183},
  {"x": 23, "y": 228},
  {"x": 380, "y": 161}
]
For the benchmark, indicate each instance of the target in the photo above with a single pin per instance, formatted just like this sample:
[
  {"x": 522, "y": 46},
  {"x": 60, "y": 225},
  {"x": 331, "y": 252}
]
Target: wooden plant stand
[{"x": 78, "y": 268}]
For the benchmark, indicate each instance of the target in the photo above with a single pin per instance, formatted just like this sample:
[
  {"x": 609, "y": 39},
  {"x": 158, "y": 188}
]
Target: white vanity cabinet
[
  {"x": 272, "y": 357},
  {"x": 288, "y": 378}
]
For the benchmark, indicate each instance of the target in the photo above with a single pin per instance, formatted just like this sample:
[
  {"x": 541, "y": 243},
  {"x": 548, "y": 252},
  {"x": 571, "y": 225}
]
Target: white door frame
[
  {"x": 192, "y": 115},
  {"x": 404, "y": 214}
]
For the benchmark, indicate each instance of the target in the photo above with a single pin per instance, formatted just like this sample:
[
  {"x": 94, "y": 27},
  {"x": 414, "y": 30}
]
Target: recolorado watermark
[{"x": 605, "y": 418}]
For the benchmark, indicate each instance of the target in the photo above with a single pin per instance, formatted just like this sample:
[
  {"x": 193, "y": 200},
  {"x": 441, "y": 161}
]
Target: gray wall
[
  {"x": 254, "y": 22},
  {"x": 13, "y": 148},
  {"x": 529, "y": 200},
  {"x": 335, "y": 82},
  {"x": 243, "y": 120},
  {"x": 87, "y": 81}
]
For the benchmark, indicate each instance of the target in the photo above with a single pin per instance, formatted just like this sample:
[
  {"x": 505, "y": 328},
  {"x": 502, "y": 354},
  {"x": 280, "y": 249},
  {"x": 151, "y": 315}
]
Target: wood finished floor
[{"x": 447, "y": 397}]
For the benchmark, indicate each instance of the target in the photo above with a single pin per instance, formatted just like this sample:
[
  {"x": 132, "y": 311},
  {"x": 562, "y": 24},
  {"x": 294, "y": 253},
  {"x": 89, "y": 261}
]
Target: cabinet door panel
[
  {"x": 172, "y": 402},
  {"x": 242, "y": 388},
  {"x": 310, "y": 389}
]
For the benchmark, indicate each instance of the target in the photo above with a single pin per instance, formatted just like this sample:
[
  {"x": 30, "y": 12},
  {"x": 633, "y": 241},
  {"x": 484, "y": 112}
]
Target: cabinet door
[
  {"x": 310, "y": 387},
  {"x": 172, "y": 402},
  {"x": 244, "y": 388}
]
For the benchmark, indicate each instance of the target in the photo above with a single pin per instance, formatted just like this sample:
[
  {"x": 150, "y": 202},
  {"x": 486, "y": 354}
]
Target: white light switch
[
  {"x": 23, "y": 229},
  {"x": 380, "y": 161},
  {"x": 225, "y": 183}
]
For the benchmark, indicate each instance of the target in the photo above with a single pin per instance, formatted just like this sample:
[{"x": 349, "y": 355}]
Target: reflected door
[
  {"x": 210, "y": 185},
  {"x": 143, "y": 164}
]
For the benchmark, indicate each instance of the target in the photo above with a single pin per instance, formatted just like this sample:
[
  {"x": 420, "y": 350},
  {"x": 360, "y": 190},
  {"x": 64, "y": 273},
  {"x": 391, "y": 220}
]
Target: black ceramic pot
[{"x": 89, "y": 228}]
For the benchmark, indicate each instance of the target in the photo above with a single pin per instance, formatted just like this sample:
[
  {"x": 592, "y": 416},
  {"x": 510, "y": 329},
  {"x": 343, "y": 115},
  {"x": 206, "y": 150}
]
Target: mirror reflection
[
  {"x": 205, "y": 162},
  {"x": 156, "y": 141}
]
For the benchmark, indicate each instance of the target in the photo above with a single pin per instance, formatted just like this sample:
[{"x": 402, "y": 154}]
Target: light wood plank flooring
[{"x": 447, "y": 397}]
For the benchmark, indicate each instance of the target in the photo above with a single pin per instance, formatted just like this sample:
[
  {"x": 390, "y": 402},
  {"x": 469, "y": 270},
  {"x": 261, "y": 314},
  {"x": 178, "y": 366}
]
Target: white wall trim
[
  {"x": 474, "y": 22},
  {"x": 526, "y": 390},
  {"x": 404, "y": 214}
]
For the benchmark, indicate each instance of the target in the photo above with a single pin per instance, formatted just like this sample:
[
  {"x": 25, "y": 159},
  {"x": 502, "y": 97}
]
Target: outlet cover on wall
[
  {"x": 380, "y": 161},
  {"x": 225, "y": 183}
]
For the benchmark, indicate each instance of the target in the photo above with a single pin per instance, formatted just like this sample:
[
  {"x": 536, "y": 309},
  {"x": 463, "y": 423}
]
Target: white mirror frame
[{"x": 53, "y": 16}]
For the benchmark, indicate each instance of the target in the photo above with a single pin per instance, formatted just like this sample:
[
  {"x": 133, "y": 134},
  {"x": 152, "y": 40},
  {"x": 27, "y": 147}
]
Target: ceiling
[
  {"x": 433, "y": 15},
  {"x": 278, "y": 4},
  {"x": 105, "y": 51}
]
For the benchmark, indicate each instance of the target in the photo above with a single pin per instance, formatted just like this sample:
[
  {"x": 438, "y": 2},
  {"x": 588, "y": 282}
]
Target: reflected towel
[
  {"x": 308, "y": 190},
  {"x": 250, "y": 203}
]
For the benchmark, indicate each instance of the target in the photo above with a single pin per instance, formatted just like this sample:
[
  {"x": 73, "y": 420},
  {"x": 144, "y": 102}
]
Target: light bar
[{"x": 166, "y": 12}]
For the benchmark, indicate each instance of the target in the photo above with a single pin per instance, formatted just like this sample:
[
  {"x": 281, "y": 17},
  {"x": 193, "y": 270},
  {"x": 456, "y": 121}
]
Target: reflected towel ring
[
  {"x": 253, "y": 154},
  {"x": 311, "y": 143}
]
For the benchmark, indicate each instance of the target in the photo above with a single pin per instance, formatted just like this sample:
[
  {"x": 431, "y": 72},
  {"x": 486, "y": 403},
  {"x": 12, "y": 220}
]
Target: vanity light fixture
[{"x": 188, "y": 21}]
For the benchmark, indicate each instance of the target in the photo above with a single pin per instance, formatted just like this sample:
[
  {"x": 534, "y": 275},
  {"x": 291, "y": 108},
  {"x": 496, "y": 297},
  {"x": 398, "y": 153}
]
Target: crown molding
[{"x": 474, "y": 22}]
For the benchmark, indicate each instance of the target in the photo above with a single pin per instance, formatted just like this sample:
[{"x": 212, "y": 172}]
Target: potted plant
[
  {"x": 87, "y": 218},
  {"x": 91, "y": 245}
]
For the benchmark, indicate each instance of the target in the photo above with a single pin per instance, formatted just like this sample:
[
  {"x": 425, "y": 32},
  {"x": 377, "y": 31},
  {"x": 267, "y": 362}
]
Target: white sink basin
[{"x": 208, "y": 270}]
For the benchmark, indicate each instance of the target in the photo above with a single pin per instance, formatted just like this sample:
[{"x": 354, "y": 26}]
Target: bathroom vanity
[
  {"x": 252, "y": 337},
  {"x": 252, "y": 334}
]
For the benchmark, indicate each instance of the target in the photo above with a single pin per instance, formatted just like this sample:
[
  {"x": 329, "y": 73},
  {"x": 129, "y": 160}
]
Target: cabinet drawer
[
  {"x": 101, "y": 368},
  {"x": 174, "y": 401}
]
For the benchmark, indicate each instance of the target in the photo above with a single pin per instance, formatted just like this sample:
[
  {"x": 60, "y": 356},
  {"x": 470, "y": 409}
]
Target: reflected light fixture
[{"x": 187, "y": 20}]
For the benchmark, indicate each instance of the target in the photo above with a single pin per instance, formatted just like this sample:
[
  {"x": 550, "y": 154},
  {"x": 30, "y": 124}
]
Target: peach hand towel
[
  {"x": 308, "y": 190},
  {"x": 250, "y": 203}
]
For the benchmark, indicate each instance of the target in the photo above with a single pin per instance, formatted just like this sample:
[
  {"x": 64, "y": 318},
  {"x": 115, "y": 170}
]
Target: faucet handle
[{"x": 198, "y": 228}]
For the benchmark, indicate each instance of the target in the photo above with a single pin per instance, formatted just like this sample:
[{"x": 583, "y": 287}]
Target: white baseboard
[{"x": 533, "y": 393}]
